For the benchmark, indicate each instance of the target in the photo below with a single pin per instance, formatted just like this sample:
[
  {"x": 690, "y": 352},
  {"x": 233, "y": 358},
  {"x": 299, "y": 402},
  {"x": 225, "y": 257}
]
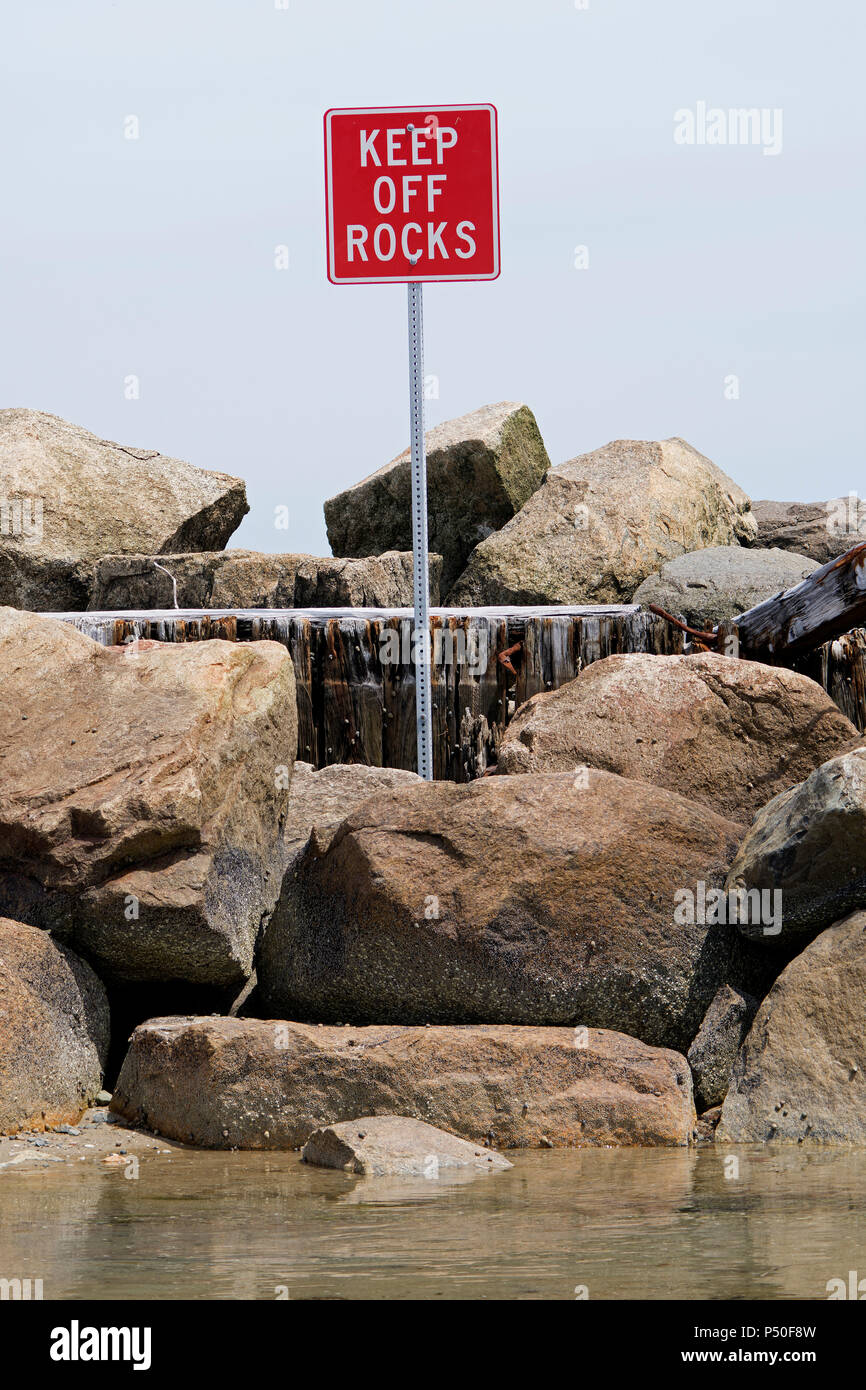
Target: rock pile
[{"x": 659, "y": 898}]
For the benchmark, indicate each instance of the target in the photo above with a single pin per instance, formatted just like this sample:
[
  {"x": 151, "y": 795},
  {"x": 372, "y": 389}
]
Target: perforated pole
[{"x": 421, "y": 567}]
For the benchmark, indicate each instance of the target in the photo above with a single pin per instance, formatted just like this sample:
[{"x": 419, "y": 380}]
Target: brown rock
[
  {"x": 142, "y": 794},
  {"x": 705, "y": 1130},
  {"x": 821, "y": 530},
  {"x": 537, "y": 900},
  {"x": 728, "y": 734},
  {"x": 251, "y": 1084},
  {"x": 601, "y": 523},
  {"x": 481, "y": 468},
  {"x": 54, "y": 1031},
  {"x": 72, "y": 498},
  {"x": 382, "y": 1146},
  {"x": 801, "y": 1073}
]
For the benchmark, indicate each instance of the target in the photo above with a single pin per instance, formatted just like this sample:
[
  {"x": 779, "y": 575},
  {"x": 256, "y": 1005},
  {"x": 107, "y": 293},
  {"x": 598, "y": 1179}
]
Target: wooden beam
[
  {"x": 840, "y": 666},
  {"x": 829, "y": 603},
  {"x": 356, "y": 691}
]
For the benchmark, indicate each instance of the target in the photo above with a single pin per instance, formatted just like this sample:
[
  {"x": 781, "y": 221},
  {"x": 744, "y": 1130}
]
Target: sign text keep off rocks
[{"x": 412, "y": 194}]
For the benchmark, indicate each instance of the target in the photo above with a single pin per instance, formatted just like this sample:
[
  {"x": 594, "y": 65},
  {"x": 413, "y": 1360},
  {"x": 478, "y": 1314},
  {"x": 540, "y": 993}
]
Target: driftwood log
[{"x": 828, "y": 604}]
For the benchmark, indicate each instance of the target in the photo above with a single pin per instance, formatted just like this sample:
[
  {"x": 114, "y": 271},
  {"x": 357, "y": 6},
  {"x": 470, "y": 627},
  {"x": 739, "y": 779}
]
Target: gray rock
[
  {"x": 376, "y": 581},
  {"x": 54, "y": 1031},
  {"x": 714, "y": 1051},
  {"x": 809, "y": 843},
  {"x": 212, "y": 579},
  {"x": 800, "y": 1075},
  {"x": 321, "y": 800},
  {"x": 72, "y": 498},
  {"x": 481, "y": 469},
  {"x": 601, "y": 523},
  {"x": 714, "y": 585},
  {"x": 820, "y": 530},
  {"x": 381, "y": 1146},
  {"x": 248, "y": 579}
]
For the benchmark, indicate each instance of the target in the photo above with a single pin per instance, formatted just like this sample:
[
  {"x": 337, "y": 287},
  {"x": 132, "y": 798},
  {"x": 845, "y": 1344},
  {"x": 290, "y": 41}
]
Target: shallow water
[{"x": 644, "y": 1224}]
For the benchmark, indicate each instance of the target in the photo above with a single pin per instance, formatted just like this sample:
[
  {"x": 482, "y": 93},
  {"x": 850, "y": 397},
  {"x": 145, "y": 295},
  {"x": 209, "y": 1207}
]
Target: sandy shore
[{"x": 97, "y": 1138}]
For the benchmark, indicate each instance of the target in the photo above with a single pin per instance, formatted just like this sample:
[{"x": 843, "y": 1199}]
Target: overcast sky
[{"x": 154, "y": 257}]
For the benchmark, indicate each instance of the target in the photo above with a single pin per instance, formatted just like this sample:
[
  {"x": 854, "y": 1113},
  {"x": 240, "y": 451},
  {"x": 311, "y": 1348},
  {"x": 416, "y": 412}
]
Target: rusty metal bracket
[{"x": 504, "y": 657}]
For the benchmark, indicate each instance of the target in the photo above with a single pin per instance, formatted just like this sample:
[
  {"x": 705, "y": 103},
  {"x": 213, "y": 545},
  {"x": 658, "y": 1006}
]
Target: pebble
[
  {"x": 67, "y": 1129},
  {"x": 103, "y": 1098}
]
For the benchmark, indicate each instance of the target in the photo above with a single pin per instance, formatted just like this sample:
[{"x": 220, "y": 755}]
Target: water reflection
[{"x": 741, "y": 1223}]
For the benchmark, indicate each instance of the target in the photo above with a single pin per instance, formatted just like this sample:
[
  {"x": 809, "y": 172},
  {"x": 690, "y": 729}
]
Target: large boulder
[
  {"x": 728, "y": 734},
  {"x": 716, "y": 584},
  {"x": 54, "y": 1031},
  {"x": 382, "y": 1146},
  {"x": 212, "y": 579},
  {"x": 377, "y": 581},
  {"x": 809, "y": 845},
  {"x": 602, "y": 522},
  {"x": 801, "y": 1072},
  {"x": 820, "y": 530},
  {"x": 481, "y": 469},
  {"x": 70, "y": 497},
  {"x": 322, "y": 799},
  {"x": 249, "y": 1084},
  {"x": 142, "y": 794},
  {"x": 535, "y": 900}
]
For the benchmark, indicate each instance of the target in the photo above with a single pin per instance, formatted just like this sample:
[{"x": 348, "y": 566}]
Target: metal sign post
[
  {"x": 420, "y": 561},
  {"x": 412, "y": 194}
]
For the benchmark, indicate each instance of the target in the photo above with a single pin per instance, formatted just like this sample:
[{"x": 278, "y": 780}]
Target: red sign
[{"x": 412, "y": 194}]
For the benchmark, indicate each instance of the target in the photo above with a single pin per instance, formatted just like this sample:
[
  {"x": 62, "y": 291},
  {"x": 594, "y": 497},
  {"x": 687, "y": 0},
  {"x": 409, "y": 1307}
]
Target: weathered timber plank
[
  {"x": 840, "y": 667},
  {"x": 829, "y": 603},
  {"x": 356, "y": 690}
]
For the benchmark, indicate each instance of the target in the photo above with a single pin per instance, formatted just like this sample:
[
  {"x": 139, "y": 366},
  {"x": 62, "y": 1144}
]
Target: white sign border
[{"x": 329, "y": 193}]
